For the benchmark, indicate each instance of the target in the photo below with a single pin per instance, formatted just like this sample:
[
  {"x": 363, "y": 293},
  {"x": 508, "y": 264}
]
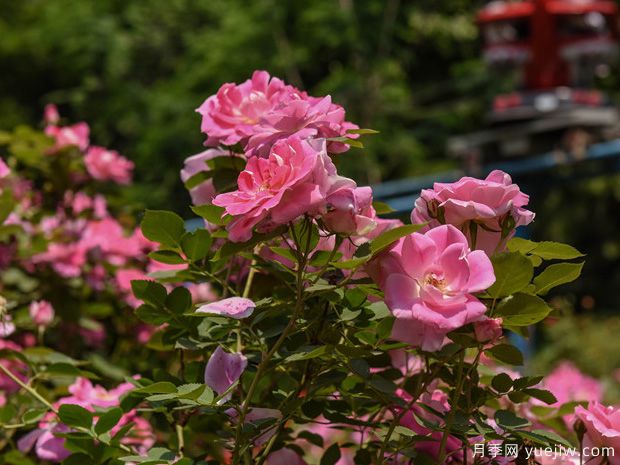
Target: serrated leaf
[
  {"x": 541, "y": 394},
  {"x": 331, "y": 455},
  {"x": 556, "y": 251},
  {"x": 196, "y": 245},
  {"x": 164, "y": 227},
  {"x": 108, "y": 420},
  {"x": 522, "y": 310},
  {"x": 149, "y": 291},
  {"x": 513, "y": 272},
  {"x": 508, "y": 420},
  {"x": 506, "y": 353},
  {"x": 389, "y": 237},
  {"x": 169, "y": 257},
  {"x": 501, "y": 382},
  {"x": 74, "y": 415},
  {"x": 556, "y": 274}
]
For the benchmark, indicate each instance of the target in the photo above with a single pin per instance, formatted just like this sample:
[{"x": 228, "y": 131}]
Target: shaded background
[{"x": 136, "y": 70}]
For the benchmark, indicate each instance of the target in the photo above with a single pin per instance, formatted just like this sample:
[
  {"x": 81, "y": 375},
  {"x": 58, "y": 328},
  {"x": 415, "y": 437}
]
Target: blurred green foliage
[{"x": 136, "y": 69}]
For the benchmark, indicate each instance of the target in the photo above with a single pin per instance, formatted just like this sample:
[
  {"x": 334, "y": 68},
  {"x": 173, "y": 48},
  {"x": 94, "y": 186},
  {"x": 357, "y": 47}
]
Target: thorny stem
[
  {"x": 264, "y": 362},
  {"x": 28, "y": 389},
  {"x": 452, "y": 413}
]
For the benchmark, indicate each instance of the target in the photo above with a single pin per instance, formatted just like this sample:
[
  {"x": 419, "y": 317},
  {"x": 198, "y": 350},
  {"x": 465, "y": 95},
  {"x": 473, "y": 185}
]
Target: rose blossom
[
  {"x": 488, "y": 329},
  {"x": 66, "y": 136},
  {"x": 108, "y": 165},
  {"x": 349, "y": 211},
  {"x": 232, "y": 307},
  {"x": 83, "y": 393},
  {"x": 204, "y": 192},
  {"x": 4, "y": 169},
  {"x": 304, "y": 117},
  {"x": 223, "y": 370},
  {"x": 50, "y": 114},
  {"x": 486, "y": 211},
  {"x": 428, "y": 280},
  {"x": 602, "y": 429},
  {"x": 294, "y": 180},
  {"x": 41, "y": 312},
  {"x": 568, "y": 384},
  {"x": 230, "y": 116}
]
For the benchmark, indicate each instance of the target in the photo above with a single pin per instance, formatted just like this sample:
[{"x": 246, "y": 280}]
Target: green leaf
[
  {"x": 522, "y": 310},
  {"x": 382, "y": 208},
  {"x": 169, "y": 257},
  {"x": 212, "y": 213},
  {"x": 161, "y": 387},
  {"x": 389, "y": 237},
  {"x": 506, "y": 353},
  {"x": 362, "y": 131},
  {"x": 513, "y": 272},
  {"x": 307, "y": 355},
  {"x": 149, "y": 291},
  {"x": 196, "y": 245},
  {"x": 508, "y": 420},
  {"x": 501, "y": 382},
  {"x": 74, "y": 415},
  {"x": 541, "y": 394},
  {"x": 151, "y": 315},
  {"x": 164, "y": 227},
  {"x": 179, "y": 300},
  {"x": 108, "y": 420},
  {"x": 331, "y": 455},
  {"x": 33, "y": 415},
  {"x": 556, "y": 274},
  {"x": 518, "y": 244},
  {"x": 556, "y": 251}
]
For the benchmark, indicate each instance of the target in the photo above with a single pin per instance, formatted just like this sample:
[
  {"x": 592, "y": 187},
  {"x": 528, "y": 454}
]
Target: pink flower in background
[
  {"x": 108, "y": 237},
  {"x": 492, "y": 207},
  {"x": 291, "y": 182},
  {"x": 223, "y": 370},
  {"x": 15, "y": 365},
  {"x": 41, "y": 312},
  {"x": 67, "y": 136},
  {"x": 257, "y": 414},
  {"x": 602, "y": 429},
  {"x": 4, "y": 169},
  {"x": 108, "y": 165},
  {"x": 438, "y": 401},
  {"x": 285, "y": 456},
  {"x": 231, "y": 115},
  {"x": 303, "y": 117},
  {"x": 83, "y": 393},
  {"x": 232, "y": 307},
  {"x": 202, "y": 292},
  {"x": 66, "y": 259},
  {"x": 488, "y": 329},
  {"x": 50, "y": 114},
  {"x": 349, "y": 211},
  {"x": 7, "y": 327},
  {"x": 569, "y": 384},
  {"x": 428, "y": 280},
  {"x": 204, "y": 192}
]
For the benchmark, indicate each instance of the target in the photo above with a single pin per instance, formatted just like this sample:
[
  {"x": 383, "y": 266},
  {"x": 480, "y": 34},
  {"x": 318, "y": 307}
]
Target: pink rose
[
  {"x": 486, "y": 211},
  {"x": 4, "y": 169},
  {"x": 303, "y": 117},
  {"x": 273, "y": 191},
  {"x": 108, "y": 165},
  {"x": 602, "y": 430},
  {"x": 438, "y": 401},
  {"x": 488, "y": 329},
  {"x": 107, "y": 237},
  {"x": 231, "y": 115},
  {"x": 223, "y": 370},
  {"x": 50, "y": 114},
  {"x": 232, "y": 307},
  {"x": 569, "y": 384},
  {"x": 67, "y": 136},
  {"x": 204, "y": 192},
  {"x": 285, "y": 457},
  {"x": 349, "y": 211},
  {"x": 428, "y": 280},
  {"x": 41, "y": 312}
]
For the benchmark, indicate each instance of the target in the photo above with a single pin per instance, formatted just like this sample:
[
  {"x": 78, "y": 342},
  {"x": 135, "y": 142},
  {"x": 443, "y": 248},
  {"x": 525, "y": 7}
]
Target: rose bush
[{"x": 298, "y": 326}]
